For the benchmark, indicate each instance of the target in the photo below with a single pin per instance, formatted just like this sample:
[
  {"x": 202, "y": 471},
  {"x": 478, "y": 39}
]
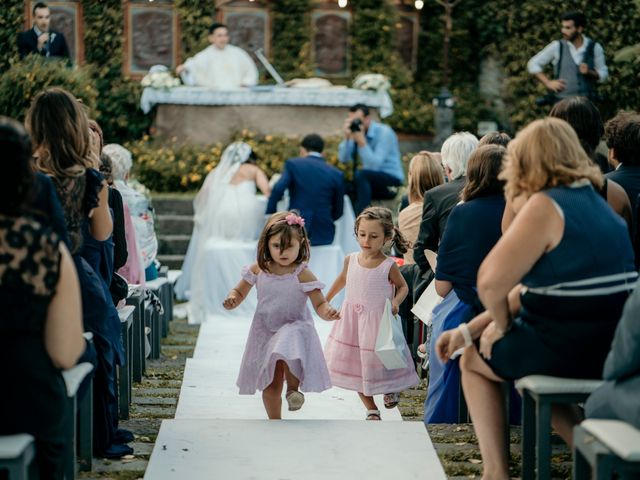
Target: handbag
[
  {"x": 119, "y": 288},
  {"x": 423, "y": 308},
  {"x": 390, "y": 341}
]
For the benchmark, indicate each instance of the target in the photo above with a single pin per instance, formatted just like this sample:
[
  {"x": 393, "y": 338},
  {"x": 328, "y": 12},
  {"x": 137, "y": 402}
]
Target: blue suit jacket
[{"x": 316, "y": 190}]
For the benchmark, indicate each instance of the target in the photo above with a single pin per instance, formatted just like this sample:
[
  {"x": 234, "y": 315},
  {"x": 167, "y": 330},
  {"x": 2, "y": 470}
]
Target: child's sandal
[
  {"x": 391, "y": 399},
  {"x": 373, "y": 415},
  {"x": 295, "y": 399}
]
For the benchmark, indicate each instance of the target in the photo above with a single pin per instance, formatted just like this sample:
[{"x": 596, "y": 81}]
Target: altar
[{"x": 203, "y": 116}]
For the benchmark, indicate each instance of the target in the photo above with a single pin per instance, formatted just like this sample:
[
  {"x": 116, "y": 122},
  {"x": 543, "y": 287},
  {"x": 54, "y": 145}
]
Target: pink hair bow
[{"x": 293, "y": 219}]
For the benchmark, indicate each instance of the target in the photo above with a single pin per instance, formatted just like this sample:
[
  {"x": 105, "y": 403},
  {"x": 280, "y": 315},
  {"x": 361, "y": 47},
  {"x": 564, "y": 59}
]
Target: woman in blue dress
[
  {"x": 65, "y": 150},
  {"x": 473, "y": 228},
  {"x": 553, "y": 286}
]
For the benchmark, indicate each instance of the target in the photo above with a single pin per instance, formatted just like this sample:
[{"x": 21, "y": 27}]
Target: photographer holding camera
[
  {"x": 578, "y": 63},
  {"x": 376, "y": 146}
]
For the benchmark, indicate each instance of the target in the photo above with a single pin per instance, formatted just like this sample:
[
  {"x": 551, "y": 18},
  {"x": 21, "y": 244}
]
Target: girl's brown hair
[
  {"x": 59, "y": 128},
  {"x": 546, "y": 154},
  {"x": 425, "y": 172},
  {"x": 277, "y": 224},
  {"x": 383, "y": 215},
  {"x": 483, "y": 169}
]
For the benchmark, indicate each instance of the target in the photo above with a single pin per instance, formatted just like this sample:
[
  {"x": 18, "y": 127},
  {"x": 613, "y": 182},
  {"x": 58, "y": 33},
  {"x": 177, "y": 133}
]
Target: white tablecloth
[{"x": 326, "y": 97}]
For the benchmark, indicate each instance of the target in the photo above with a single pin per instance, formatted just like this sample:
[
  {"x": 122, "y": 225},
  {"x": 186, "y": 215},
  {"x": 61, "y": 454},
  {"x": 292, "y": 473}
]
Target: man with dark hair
[
  {"x": 622, "y": 134},
  {"x": 40, "y": 39},
  {"x": 376, "y": 145},
  {"x": 315, "y": 189},
  {"x": 221, "y": 66},
  {"x": 578, "y": 62}
]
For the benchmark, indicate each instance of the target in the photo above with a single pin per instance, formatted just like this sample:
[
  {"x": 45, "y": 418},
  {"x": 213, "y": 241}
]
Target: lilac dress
[{"x": 282, "y": 329}]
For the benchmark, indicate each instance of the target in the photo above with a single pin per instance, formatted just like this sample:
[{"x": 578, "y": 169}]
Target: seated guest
[
  {"x": 495, "y": 138},
  {"x": 425, "y": 172},
  {"x": 439, "y": 201},
  {"x": 41, "y": 39},
  {"x": 316, "y": 190},
  {"x": 376, "y": 145},
  {"x": 553, "y": 295},
  {"x": 139, "y": 207},
  {"x": 65, "y": 149},
  {"x": 41, "y": 321},
  {"x": 622, "y": 134},
  {"x": 472, "y": 230},
  {"x": 584, "y": 117},
  {"x": 617, "y": 398},
  {"x": 220, "y": 66}
]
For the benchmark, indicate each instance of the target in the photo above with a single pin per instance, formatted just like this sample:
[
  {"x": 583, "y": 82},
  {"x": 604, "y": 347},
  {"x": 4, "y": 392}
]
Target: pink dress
[
  {"x": 349, "y": 351},
  {"x": 282, "y": 329}
]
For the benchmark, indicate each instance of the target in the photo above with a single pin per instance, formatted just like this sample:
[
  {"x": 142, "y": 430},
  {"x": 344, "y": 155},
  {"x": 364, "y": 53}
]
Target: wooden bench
[
  {"x": 125, "y": 372},
  {"x": 603, "y": 448},
  {"x": 16, "y": 455},
  {"x": 84, "y": 429},
  {"x": 152, "y": 320},
  {"x": 136, "y": 299},
  {"x": 164, "y": 290},
  {"x": 539, "y": 393},
  {"x": 73, "y": 377}
]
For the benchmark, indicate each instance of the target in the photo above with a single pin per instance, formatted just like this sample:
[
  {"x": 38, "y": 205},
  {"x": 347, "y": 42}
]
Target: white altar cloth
[{"x": 326, "y": 97}]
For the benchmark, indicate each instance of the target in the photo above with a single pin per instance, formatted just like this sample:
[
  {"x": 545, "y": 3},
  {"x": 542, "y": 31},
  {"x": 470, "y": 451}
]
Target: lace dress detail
[
  {"x": 29, "y": 270},
  {"x": 78, "y": 196},
  {"x": 282, "y": 329},
  {"x": 349, "y": 351}
]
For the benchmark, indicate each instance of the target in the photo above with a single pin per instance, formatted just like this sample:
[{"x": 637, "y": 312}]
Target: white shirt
[
  {"x": 551, "y": 54},
  {"x": 224, "y": 69}
]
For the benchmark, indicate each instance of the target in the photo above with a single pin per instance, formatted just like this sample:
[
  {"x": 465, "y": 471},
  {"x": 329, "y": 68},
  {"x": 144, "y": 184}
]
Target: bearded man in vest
[{"x": 578, "y": 62}]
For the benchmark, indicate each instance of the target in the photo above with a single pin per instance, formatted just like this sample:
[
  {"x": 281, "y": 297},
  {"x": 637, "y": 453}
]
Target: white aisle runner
[{"x": 219, "y": 434}]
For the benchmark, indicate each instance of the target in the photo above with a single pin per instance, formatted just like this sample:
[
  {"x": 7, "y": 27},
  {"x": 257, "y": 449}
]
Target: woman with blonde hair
[
  {"x": 425, "y": 172},
  {"x": 553, "y": 295}
]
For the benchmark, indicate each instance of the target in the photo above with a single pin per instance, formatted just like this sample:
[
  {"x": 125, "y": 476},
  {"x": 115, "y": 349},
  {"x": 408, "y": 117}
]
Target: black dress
[{"x": 34, "y": 394}]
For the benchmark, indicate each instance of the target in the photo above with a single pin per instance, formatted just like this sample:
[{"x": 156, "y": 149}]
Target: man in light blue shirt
[{"x": 376, "y": 145}]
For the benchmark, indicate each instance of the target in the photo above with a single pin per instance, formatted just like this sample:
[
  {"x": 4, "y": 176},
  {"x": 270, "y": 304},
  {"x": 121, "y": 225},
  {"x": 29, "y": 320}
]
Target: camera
[{"x": 355, "y": 125}]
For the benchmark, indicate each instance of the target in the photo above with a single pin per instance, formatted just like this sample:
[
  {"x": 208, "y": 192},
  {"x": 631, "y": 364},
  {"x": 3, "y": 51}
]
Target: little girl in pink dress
[
  {"x": 370, "y": 277},
  {"x": 283, "y": 343}
]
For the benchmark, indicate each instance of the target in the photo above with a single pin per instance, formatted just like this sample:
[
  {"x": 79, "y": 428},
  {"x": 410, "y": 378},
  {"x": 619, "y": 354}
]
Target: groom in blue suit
[{"x": 316, "y": 190}]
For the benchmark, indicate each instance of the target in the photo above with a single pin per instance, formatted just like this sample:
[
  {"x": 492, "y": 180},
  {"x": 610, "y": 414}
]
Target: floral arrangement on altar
[
  {"x": 371, "y": 81},
  {"x": 160, "y": 79}
]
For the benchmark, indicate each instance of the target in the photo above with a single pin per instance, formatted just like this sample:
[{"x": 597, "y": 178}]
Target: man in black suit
[
  {"x": 622, "y": 134},
  {"x": 439, "y": 201},
  {"x": 40, "y": 39},
  {"x": 316, "y": 189}
]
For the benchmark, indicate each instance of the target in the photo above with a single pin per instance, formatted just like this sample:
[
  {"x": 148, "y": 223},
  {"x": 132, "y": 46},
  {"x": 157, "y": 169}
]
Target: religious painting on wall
[
  {"x": 248, "y": 29},
  {"x": 151, "y": 36},
  {"x": 330, "y": 43},
  {"x": 408, "y": 40},
  {"x": 66, "y": 18}
]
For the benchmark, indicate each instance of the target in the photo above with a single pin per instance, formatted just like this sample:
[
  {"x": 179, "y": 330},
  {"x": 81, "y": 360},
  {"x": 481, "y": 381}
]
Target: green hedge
[
  {"x": 25, "y": 79},
  {"x": 173, "y": 167}
]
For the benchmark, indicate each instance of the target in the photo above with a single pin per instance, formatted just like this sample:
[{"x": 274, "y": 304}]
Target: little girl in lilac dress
[{"x": 283, "y": 344}]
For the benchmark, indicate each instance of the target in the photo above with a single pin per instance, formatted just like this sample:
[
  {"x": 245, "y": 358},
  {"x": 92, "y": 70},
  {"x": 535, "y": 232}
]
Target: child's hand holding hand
[{"x": 327, "y": 312}]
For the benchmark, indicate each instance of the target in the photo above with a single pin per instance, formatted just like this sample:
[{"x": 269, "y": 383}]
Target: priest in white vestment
[{"x": 220, "y": 66}]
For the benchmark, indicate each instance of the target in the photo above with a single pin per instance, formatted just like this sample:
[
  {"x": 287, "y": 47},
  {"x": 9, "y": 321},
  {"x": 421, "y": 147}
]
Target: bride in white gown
[{"x": 225, "y": 209}]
